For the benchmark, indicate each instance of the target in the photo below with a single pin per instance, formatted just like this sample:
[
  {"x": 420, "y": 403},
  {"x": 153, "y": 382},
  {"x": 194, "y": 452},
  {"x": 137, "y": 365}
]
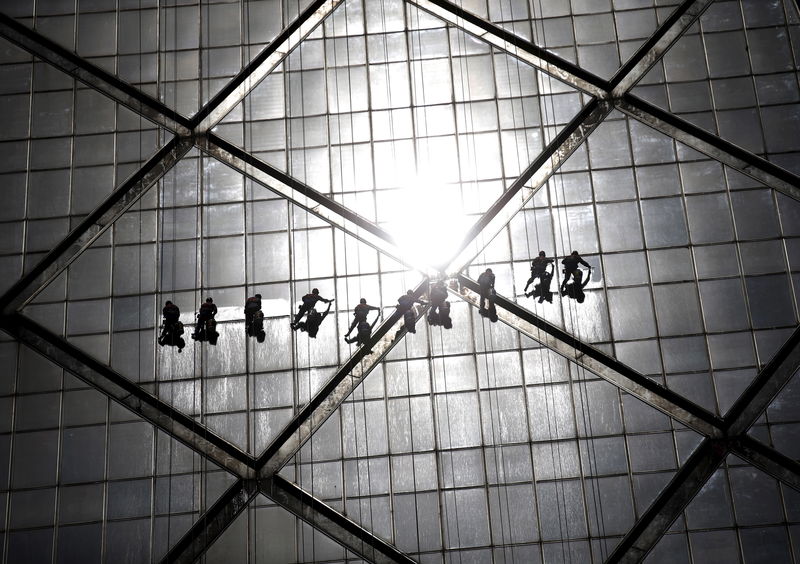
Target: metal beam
[
  {"x": 335, "y": 391},
  {"x": 701, "y": 140},
  {"x": 264, "y": 63},
  {"x": 305, "y": 197},
  {"x": 667, "y": 507},
  {"x": 597, "y": 362},
  {"x": 93, "y": 76},
  {"x": 332, "y": 523},
  {"x": 765, "y": 387},
  {"x": 106, "y": 380},
  {"x": 93, "y": 225},
  {"x": 768, "y": 459},
  {"x": 657, "y": 44},
  {"x": 529, "y": 182},
  {"x": 207, "y": 529},
  {"x": 516, "y": 46}
]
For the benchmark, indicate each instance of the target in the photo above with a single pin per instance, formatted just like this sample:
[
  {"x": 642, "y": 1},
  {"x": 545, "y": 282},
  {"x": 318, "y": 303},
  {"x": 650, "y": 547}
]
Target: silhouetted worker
[
  {"x": 438, "y": 295},
  {"x": 171, "y": 313},
  {"x": 208, "y": 310},
  {"x": 313, "y": 320},
  {"x": 172, "y": 328},
  {"x": 206, "y": 325},
  {"x": 575, "y": 290},
  {"x": 542, "y": 289},
  {"x": 360, "y": 314},
  {"x": 363, "y": 333},
  {"x": 254, "y": 318},
  {"x": 444, "y": 315},
  {"x": 308, "y": 303},
  {"x": 405, "y": 303},
  {"x": 538, "y": 268},
  {"x": 486, "y": 282},
  {"x": 252, "y": 306},
  {"x": 571, "y": 268}
]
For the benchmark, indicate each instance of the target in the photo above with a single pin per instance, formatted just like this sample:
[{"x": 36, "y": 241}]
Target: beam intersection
[{"x": 730, "y": 436}]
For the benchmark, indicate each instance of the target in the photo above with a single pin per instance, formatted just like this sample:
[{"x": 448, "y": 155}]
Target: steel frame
[
  {"x": 258, "y": 475},
  {"x": 596, "y": 361},
  {"x": 723, "y": 435}
]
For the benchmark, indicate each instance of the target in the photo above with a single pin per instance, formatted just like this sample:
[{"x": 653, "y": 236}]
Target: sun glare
[{"x": 427, "y": 222}]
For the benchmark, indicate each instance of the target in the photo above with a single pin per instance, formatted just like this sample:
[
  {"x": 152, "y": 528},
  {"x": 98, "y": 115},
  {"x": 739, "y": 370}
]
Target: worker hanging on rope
[
  {"x": 206, "y": 328},
  {"x": 313, "y": 320},
  {"x": 444, "y": 315},
  {"x": 538, "y": 269},
  {"x": 405, "y": 304},
  {"x": 360, "y": 315},
  {"x": 486, "y": 283},
  {"x": 171, "y": 328},
  {"x": 571, "y": 270},
  {"x": 575, "y": 289},
  {"x": 254, "y": 318},
  {"x": 541, "y": 268},
  {"x": 308, "y": 303},
  {"x": 437, "y": 295},
  {"x": 363, "y": 332}
]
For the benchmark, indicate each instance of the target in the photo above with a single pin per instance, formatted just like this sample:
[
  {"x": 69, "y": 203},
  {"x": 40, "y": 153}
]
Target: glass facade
[{"x": 155, "y": 150}]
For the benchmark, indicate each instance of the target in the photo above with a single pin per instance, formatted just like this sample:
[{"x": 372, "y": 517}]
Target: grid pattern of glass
[
  {"x": 64, "y": 147},
  {"x": 735, "y": 74},
  {"x": 181, "y": 53},
  {"x": 702, "y": 250},
  {"x": 740, "y": 515},
  {"x": 508, "y": 452},
  {"x": 597, "y": 36},
  {"x": 84, "y": 479},
  {"x": 225, "y": 148}
]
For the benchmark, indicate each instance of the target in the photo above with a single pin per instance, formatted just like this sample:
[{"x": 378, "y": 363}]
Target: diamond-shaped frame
[{"x": 723, "y": 435}]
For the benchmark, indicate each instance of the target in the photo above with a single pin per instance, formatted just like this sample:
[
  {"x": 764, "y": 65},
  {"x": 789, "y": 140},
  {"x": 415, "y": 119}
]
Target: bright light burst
[{"x": 427, "y": 221}]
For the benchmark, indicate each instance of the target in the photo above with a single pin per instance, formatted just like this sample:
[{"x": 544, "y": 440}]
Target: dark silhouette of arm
[{"x": 325, "y": 313}]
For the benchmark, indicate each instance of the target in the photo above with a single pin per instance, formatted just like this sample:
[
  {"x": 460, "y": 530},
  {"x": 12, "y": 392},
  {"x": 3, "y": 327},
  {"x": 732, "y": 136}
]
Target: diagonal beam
[
  {"x": 768, "y": 459},
  {"x": 656, "y": 45},
  {"x": 93, "y": 76},
  {"x": 667, "y": 507},
  {"x": 529, "y": 182},
  {"x": 332, "y": 523},
  {"x": 711, "y": 452},
  {"x": 264, "y": 63},
  {"x": 335, "y": 391},
  {"x": 130, "y": 395},
  {"x": 765, "y": 387},
  {"x": 516, "y": 46},
  {"x": 305, "y": 197},
  {"x": 713, "y": 146},
  {"x": 207, "y": 529},
  {"x": 94, "y": 225},
  {"x": 597, "y": 362}
]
